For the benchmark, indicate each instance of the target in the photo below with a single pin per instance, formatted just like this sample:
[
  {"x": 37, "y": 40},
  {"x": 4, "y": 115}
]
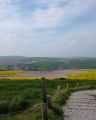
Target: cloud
[
  {"x": 50, "y": 3},
  {"x": 59, "y": 15},
  {"x": 46, "y": 18},
  {"x": 78, "y": 43},
  {"x": 45, "y": 30}
]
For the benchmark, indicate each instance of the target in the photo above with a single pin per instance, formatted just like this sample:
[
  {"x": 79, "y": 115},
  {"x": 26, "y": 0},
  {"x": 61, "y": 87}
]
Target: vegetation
[
  {"x": 2, "y": 69},
  {"x": 45, "y": 63},
  {"x": 10, "y": 72},
  {"x": 84, "y": 76},
  {"x": 60, "y": 99},
  {"x": 18, "y": 78},
  {"x": 83, "y": 63},
  {"x": 91, "y": 70},
  {"x": 26, "y": 95}
]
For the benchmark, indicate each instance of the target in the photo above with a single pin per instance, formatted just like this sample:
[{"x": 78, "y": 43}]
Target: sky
[{"x": 46, "y": 28}]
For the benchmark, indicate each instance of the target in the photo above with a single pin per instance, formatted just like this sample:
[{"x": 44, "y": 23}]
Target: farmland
[
  {"x": 6, "y": 73},
  {"x": 91, "y": 75},
  {"x": 47, "y": 74}
]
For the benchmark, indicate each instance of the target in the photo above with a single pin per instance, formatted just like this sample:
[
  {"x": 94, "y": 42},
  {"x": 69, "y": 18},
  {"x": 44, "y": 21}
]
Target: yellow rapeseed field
[
  {"x": 90, "y": 70},
  {"x": 7, "y": 75},
  {"x": 91, "y": 75},
  {"x": 10, "y": 72},
  {"x": 19, "y": 78}
]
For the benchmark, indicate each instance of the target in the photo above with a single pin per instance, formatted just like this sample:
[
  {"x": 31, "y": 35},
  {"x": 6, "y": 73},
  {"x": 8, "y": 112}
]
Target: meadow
[{"x": 18, "y": 95}]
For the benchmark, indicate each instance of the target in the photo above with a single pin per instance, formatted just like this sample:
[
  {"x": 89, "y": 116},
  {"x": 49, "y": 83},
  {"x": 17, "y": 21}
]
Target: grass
[{"x": 26, "y": 95}]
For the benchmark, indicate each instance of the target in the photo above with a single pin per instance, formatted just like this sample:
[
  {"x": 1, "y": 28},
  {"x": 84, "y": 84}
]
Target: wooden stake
[
  {"x": 49, "y": 101},
  {"x": 44, "y": 90},
  {"x": 52, "y": 85},
  {"x": 77, "y": 85},
  {"x": 67, "y": 85},
  {"x": 44, "y": 111},
  {"x": 59, "y": 89},
  {"x": 90, "y": 84}
]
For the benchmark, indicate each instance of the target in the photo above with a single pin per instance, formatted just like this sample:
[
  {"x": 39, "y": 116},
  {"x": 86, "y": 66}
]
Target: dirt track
[{"x": 47, "y": 74}]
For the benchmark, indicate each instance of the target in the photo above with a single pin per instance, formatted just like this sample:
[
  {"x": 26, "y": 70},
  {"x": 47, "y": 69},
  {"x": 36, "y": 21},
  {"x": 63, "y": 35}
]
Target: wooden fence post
[
  {"x": 44, "y": 90},
  {"x": 67, "y": 85},
  {"x": 49, "y": 101},
  {"x": 90, "y": 84},
  {"x": 52, "y": 85},
  {"x": 44, "y": 111},
  {"x": 77, "y": 85},
  {"x": 59, "y": 89}
]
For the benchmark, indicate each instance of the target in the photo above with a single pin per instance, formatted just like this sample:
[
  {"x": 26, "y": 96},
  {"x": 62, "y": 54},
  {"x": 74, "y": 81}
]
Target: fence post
[
  {"x": 77, "y": 85},
  {"x": 44, "y": 90},
  {"x": 49, "y": 101},
  {"x": 67, "y": 85},
  {"x": 59, "y": 89},
  {"x": 44, "y": 111},
  {"x": 90, "y": 84},
  {"x": 52, "y": 85}
]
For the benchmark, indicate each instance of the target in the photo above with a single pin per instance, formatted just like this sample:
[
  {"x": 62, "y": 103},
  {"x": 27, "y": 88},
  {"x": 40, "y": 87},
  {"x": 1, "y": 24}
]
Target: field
[
  {"x": 91, "y": 75},
  {"x": 47, "y": 74},
  {"x": 21, "y": 99},
  {"x": 26, "y": 95},
  {"x": 10, "y": 72}
]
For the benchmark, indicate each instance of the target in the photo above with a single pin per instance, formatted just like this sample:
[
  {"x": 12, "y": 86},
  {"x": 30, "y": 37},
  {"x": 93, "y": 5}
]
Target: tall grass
[{"x": 18, "y": 95}]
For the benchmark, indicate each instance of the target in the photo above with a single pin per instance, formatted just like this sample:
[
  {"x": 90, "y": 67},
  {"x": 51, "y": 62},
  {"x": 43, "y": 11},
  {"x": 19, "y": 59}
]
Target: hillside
[{"x": 45, "y": 63}]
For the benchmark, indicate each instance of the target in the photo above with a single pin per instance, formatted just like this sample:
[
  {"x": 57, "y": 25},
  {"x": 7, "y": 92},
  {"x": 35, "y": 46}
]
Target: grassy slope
[
  {"x": 47, "y": 62},
  {"x": 89, "y": 63},
  {"x": 18, "y": 95}
]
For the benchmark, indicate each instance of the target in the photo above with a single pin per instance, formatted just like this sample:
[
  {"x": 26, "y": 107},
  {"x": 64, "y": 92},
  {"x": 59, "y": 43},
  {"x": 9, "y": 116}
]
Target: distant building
[{"x": 60, "y": 68}]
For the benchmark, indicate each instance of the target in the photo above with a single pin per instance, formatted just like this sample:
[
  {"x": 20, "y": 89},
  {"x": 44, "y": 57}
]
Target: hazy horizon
[
  {"x": 47, "y": 56},
  {"x": 46, "y": 28}
]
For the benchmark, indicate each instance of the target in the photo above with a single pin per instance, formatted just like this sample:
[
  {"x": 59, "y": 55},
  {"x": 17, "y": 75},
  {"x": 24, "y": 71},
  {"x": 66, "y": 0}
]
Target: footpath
[{"x": 81, "y": 106}]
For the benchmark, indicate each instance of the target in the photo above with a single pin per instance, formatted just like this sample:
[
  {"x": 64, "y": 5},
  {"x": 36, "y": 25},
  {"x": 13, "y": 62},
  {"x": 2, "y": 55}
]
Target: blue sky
[{"x": 46, "y": 28}]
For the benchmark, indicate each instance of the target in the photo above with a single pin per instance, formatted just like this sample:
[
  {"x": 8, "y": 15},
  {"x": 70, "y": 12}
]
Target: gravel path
[{"x": 81, "y": 106}]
